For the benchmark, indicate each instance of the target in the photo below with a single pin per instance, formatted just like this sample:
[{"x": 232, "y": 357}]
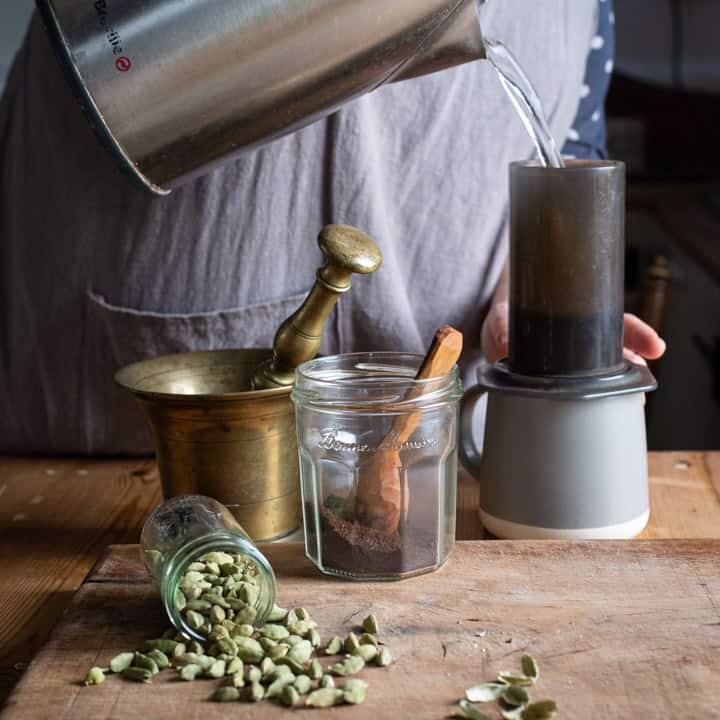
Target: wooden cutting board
[{"x": 620, "y": 630}]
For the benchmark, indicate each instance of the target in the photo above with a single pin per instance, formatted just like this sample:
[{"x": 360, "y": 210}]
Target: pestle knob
[{"x": 347, "y": 250}]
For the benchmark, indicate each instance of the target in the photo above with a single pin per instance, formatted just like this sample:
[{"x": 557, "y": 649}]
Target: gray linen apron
[{"x": 95, "y": 274}]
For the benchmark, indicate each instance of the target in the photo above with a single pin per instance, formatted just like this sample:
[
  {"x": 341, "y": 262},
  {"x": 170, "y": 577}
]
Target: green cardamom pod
[
  {"x": 180, "y": 599},
  {"x": 275, "y": 687},
  {"x": 366, "y": 652},
  {"x": 300, "y": 652},
  {"x": 246, "y": 616},
  {"x": 278, "y": 651},
  {"x": 160, "y": 658},
  {"x": 314, "y": 637},
  {"x": 485, "y": 692},
  {"x": 249, "y": 650},
  {"x": 354, "y": 691},
  {"x": 163, "y": 644},
  {"x": 267, "y": 643},
  {"x": 511, "y": 714},
  {"x": 470, "y": 711},
  {"x": 180, "y": 649},
  {"x": 95, "y": 676},
  {"x": 253, "y": 693},
  {"x": 289, "y": 696},
  {"x": 217, "y": 557},
  {"x": 290, "y": 663},
  {"x": 303, "y": 684},
  {"x": 217, "y": 614},
  {"x": 245, "y": 630},
  {"x": 225, "y": 693},
  {"x": 253, "y": 674},
  {"x": 511, "y": 679},
  {"x": 121, "y": 661},
  {"x": 349, "y": 666},
  {"x": 384, "y": 658},
  {"x": 267, "y": 666},
  {"x": 277, "y": 614},
  {"x": 216, "y": 670},
  {"x": 190, "y": 672},
  {"x": 334, "y": 646},
  {"x": 274, "y": 632},
  {"x": 196, "y": 566},
  {"x": 137, "y": 674},
  {"x": 237, "y": 680},
  {"x": 194, "y": 620},
  {"x": 196, "y": 647},
  {"x": 293, "y": 640},
  {"x": 515, "y": 695},
  {"x": 541, "y": 710},
  {"x": 316, "y": 670},
  {"x": 327, "y": 681},
  {"x": 530, "y": 667},
  {"x": 370, "y": 625},
  {"x": 324, "y": 697},
  {"x": 143, "y": 661},
  {"x": 198, "y": 605},
  {"x": 234, "y": 666},
  {"x": 368, "y": 639},
  {"x": 351, "y": 643}
]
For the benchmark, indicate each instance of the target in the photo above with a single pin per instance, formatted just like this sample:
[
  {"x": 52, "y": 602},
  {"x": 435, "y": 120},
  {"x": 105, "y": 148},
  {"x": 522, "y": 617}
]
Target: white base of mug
[{"x": 516, "y": 531}]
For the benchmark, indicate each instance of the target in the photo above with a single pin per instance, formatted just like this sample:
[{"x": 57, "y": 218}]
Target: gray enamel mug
[{"x": 559, "y": 465}]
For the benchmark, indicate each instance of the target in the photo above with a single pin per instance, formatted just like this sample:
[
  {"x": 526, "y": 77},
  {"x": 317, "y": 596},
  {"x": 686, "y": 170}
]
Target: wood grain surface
[
  {"x": 58, "y": 515},
  {"x": 620, "y": 629}
]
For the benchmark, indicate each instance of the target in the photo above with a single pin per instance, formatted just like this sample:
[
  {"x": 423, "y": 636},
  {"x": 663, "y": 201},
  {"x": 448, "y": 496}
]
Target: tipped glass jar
[
  {"x": 378, "y": 464},
  {"x": 207, "y": 568}
]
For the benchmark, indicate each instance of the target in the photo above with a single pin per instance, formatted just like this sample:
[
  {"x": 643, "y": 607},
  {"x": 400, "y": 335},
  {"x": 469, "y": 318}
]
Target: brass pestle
[{"x": 347, "y": 250}]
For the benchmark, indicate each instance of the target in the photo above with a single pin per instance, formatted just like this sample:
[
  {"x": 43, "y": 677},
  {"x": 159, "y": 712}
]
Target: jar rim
[{"x": 367, "y": 381}]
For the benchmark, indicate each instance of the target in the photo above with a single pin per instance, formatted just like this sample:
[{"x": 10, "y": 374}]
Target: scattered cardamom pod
[
  {"x": 234, "y": 667},
  {"x": 255, "y": 692},
  {"x": 95, "y": 676},
  {"x": 137, "y": 674},
  {"x": 370, "y": 625},
  {"x": 334, "y": 646},
  {"x": 327, "y": 681},
  {"x": 354, "y": 691},
  {"x": 315, "y": 671},
  {"x": 160, "y": 659},
  {"x": 303, "y": 684},
  {"x": 190, "y": 672},
  {"x": 300, "y": 652},
  {"x": 366, "y": 652},
  {"x": 351, "y": 665},
  {"x": 277, "y": 614},
  {"x": 143, "y": 661},
  {"x": 530, "y": 667},
  {"x": 384, "y": 658},
  {"x": 516, "y": 695},
  {"x": 541, "y": 710},
  {"x": 225, "y": 693},
  {"x": 253, "y": 674},
  {"x": 351, "y": 643},
  {"x": 289, "y": 696},
  {"x": 325, "y": 697},
  {"x": 511, "y": 679},
  {"x": 470, "y": 711},
  {"x": 485, "y": 692},
  {"x": 216, "y": 670},
  {"x": 368, "y": 639},
  {"x": 275, "y": 687},
  {"x": 121, "y": 661},
  {"x": 249, "y": 650}
]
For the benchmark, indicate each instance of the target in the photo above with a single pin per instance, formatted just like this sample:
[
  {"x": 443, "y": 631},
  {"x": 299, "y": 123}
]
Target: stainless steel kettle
[{"x": 175, "y": 87}]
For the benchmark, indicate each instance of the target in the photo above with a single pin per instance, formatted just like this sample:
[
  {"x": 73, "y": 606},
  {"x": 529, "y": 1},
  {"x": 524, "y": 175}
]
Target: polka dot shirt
[{"x": 587, "y": 136}]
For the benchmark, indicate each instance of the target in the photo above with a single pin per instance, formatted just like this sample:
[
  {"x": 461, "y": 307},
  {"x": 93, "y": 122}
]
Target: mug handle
[{"x": 467, "y": 449}]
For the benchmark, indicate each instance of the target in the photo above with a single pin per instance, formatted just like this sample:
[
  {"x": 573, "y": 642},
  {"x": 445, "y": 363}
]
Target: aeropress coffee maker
[{"x": 565, "y": 451}]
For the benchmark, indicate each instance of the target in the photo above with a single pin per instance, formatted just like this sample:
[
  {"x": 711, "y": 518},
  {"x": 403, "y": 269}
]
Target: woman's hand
[{"x": 641, "y": 341}]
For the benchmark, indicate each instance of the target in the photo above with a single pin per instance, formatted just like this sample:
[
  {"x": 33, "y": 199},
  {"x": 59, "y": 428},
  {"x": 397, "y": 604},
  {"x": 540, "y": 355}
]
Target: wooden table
[{"x": 57, "y": 516}]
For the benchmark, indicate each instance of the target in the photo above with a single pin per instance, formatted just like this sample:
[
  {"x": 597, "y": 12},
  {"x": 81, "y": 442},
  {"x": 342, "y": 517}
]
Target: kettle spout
[{"x": 458, "y": 41}]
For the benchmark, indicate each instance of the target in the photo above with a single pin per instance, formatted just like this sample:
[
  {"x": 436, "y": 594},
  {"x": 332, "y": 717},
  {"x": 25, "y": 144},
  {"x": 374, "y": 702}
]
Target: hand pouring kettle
[{"x": 175, "y": 87}]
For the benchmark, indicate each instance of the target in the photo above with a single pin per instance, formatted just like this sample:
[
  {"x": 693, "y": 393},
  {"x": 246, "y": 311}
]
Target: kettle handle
[{"x": 467, "y": 448}]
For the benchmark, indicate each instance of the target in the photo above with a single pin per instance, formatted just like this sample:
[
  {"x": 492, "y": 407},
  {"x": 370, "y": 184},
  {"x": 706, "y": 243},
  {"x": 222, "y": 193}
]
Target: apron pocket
[{"x": 118, "y": 336}]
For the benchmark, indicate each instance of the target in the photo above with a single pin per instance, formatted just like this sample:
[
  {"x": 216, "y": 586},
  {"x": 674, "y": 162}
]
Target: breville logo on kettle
[{"x": 122, "y": 62}]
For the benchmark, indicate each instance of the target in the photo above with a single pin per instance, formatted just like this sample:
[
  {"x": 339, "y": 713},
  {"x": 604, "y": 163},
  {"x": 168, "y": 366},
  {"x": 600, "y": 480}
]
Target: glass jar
[
  {"x": 378, "y": 464},
  {"x": 186, "y": 528}
]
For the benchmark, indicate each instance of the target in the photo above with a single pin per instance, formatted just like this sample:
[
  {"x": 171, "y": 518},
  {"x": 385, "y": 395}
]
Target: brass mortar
[{"x": 216, "y": 436}]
